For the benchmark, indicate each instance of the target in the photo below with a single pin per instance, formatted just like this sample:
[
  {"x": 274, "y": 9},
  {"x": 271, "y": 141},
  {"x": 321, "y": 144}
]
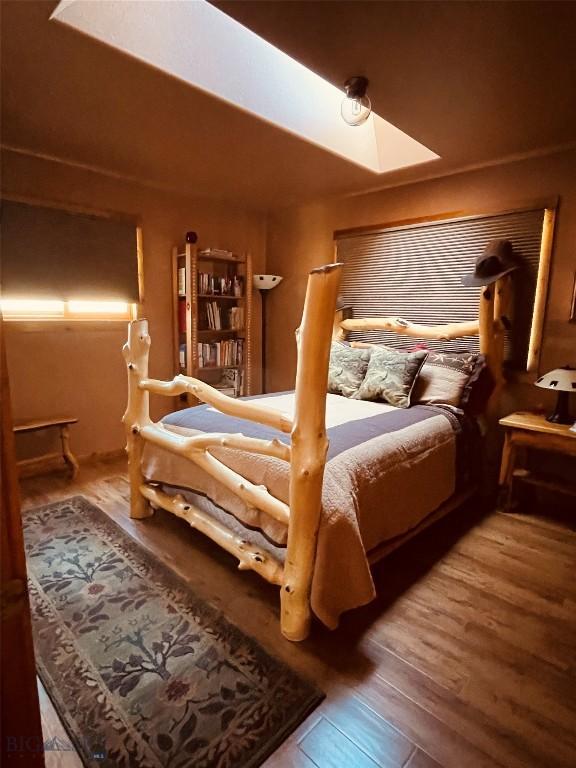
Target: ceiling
[{"x": 476, "y": 82}]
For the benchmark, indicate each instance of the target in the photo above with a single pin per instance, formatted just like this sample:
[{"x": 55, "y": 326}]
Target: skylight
[{"x": 200, "y": 45}]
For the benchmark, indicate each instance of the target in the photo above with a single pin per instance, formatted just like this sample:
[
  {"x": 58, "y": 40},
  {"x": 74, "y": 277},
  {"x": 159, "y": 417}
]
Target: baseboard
[
  {"x": 54, "y": 462},
  {"x": 88, "y": 458}
]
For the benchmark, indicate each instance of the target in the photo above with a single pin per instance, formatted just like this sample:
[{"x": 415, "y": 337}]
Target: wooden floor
[{"x": 467, "y": 658}]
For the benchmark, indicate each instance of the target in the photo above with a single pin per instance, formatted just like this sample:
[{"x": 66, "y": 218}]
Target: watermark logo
[{"x": 24, "y": 744}]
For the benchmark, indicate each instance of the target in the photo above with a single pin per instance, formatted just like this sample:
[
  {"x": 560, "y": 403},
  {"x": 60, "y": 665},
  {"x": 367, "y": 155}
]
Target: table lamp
[{"x": 563, "y": 381}]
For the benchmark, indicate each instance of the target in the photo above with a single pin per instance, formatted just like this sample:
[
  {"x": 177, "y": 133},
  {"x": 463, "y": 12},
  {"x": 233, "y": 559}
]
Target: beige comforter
[{"x": 387, "y": 469}]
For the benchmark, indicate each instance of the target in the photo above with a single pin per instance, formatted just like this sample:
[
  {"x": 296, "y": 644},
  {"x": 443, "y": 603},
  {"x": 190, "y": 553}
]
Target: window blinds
[
  {"x": 414, "y": 272},
  {"x": 50, "y": 253}
]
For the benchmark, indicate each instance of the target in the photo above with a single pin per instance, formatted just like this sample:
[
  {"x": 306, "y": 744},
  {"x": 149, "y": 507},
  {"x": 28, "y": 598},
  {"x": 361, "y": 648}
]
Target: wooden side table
[
  {"x": 63, "y": 424},
  {"x": 531, "y": 430}
]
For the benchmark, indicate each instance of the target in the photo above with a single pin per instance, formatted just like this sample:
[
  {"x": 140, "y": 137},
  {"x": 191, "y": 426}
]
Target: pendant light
[{"x": 356, "y": 106}]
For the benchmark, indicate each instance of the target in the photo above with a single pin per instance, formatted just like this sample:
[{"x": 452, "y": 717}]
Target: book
[
  {"x": 235, "y": 318},
  {"x": 181, "y": 281},
  {"x": 182, "y": 316}
]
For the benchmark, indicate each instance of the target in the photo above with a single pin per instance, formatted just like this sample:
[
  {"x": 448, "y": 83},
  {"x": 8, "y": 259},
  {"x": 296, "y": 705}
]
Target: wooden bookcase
[{"x": 231, "y": 275}]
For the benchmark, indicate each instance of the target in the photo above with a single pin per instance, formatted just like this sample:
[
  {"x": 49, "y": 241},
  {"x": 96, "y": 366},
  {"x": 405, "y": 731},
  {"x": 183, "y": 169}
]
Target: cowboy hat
[{"x": 496, "y": 261}]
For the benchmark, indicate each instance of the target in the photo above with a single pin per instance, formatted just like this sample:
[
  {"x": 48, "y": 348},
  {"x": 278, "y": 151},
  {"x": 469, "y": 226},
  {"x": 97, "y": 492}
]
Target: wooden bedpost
[
  {"x": 135, "y": 353},
  {"x": 493, "y": 319},
  {"x": 502, "y": 322},
  {"x": 309, "y": 447},
  {"x": 486, "y": 326}
]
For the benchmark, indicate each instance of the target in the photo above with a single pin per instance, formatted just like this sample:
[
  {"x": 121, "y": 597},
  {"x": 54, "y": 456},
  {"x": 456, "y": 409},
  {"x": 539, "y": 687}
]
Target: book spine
[
  {"x": 181, "y": 281},
  {"x": 182, "y": 317}
]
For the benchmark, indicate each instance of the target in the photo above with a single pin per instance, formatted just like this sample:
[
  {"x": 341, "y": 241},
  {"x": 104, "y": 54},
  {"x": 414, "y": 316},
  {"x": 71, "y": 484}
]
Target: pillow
[
  {"x": 347, "y": 369},
  {"x": 391, "y": 375},
  {"x": 478, "y": 391},
  {"x": 447, "y": 378}
]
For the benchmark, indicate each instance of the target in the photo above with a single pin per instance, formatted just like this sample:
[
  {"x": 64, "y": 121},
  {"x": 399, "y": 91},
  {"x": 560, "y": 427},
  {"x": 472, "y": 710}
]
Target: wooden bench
[{"x": 63, "y": 424}]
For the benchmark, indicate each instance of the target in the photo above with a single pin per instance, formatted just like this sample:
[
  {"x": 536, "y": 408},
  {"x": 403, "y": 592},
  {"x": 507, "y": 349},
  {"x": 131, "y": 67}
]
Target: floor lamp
[{"x": 265, "y": 283}]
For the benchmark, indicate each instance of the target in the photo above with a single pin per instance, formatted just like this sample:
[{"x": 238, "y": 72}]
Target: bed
[{"x": 306, "y": 488}]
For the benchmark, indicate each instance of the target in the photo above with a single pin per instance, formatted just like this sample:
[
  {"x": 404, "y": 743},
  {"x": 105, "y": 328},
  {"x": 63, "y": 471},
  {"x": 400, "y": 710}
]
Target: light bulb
[
  {"x": 356, "y": 107},
  {"x": 356, "y": 110}
]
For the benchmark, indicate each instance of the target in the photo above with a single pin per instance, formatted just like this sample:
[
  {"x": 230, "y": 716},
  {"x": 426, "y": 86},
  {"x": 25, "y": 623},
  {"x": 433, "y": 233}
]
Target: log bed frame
[{"x": 306, "y": 453}]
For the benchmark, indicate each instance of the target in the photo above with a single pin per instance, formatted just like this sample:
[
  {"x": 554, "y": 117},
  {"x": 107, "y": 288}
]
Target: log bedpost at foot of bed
[
  {"x": 309, "y": 447},
  {"x": 135, "y": 353}
]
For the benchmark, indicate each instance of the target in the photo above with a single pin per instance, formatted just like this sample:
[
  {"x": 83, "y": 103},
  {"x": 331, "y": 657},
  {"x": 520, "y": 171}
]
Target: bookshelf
[{"x": 212, "y": 308}]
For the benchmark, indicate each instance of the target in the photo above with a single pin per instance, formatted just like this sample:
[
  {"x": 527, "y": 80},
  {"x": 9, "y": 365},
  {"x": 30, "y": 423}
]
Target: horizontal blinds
[
  {"x": 415, "y": 272},
  {"x": 50, "y": 253}
]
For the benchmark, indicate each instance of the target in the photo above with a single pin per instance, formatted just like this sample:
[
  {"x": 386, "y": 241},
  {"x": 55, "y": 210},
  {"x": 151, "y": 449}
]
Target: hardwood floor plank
[
  {"x": 368, "y": 730},
  {"x": 293, "y": 758},
  {"x": 421, "y": 760},
  {"x": 478, "y": 728},
  {"x": 532, "y": 532},
  {"x": 289, "y": 754},
  {"x": 472, "y": 571},
  {"x": 535, "y": 521},
  {"x": 526, "y": 629},
  {"x": 539, "y": 571},
  {"x": 430, "y": 733},
  {"x": 327, "y": 747},
  {"x": 60, "y": 752},
  {"x": 417, "y": 634}
]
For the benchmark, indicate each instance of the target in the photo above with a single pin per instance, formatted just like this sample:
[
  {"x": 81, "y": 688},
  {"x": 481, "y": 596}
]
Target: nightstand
[{"x": 531, "y": 430}]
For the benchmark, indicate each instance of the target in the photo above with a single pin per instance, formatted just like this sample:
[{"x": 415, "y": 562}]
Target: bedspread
[{"x": 387, "y": 469}]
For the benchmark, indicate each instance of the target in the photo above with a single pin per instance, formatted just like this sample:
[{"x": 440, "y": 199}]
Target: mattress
[{"x": 387, "y": 469}]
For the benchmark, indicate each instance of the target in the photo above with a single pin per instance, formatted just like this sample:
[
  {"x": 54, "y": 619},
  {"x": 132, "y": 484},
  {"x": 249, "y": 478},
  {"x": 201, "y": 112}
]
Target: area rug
[{"x": 141, "y": 671}]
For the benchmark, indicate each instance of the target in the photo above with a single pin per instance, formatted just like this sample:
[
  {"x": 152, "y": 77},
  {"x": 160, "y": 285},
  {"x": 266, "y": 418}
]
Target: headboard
[{"x": 490, "y": 326}]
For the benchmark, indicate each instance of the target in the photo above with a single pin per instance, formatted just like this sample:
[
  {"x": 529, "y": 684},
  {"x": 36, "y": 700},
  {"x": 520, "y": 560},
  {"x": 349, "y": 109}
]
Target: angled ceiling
[{"x": 475, "y": 82}]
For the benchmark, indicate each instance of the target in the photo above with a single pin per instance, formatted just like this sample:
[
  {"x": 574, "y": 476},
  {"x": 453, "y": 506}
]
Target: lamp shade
[
  {"x": 266, "y": 282},
  {"x": 560, "y": 380}
]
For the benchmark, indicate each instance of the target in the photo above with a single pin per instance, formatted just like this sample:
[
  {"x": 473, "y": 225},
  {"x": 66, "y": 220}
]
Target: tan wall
[
  {"x": 72, "y": 369},
  {"x": 301, "y": 238}
]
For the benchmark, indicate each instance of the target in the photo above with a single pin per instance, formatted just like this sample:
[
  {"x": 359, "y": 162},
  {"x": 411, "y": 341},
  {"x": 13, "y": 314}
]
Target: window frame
[{"x": 68, "y": 315}]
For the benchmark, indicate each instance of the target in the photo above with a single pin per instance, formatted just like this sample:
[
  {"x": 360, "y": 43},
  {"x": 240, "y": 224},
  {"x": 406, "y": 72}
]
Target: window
[
  {"x": 51, "y": 258},
  {"x": 414, "y": 271},
  {"x": 48, "y": 309}
]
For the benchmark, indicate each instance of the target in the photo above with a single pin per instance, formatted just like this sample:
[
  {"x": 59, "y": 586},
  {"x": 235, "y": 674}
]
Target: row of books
[
  {"x": 231, "y": 379},
  {"x": 217, "y": 285},
  {"x": 219, "y": 354},
  {"x": 214, "y": 317},
  {"x": 230, "y": 285}
]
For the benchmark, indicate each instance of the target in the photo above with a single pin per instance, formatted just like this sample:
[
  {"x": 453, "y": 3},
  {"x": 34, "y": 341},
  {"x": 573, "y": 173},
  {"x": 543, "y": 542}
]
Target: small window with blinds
[
  {"x": 415, "y": 272},
  {"x": 63, "y": 265}
]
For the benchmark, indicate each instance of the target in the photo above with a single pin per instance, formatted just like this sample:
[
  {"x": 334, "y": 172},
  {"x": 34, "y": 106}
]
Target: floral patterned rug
[{"x": 142, "y": 672}]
